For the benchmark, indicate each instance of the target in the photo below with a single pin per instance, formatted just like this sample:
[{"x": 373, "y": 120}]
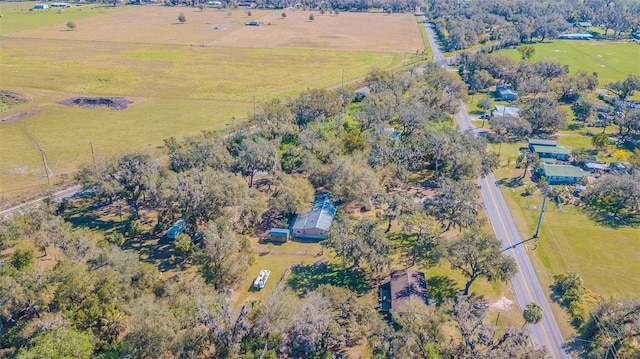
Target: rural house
[
  {"x": 558, "y": 174},
  {"x": 405, "y": 287},
  {"x": 315, "y": 223},
  {"x": 506, "y": 111},
  {"x": 557, "y": 152},
  {"x": 575, "y": 36},
  {"x": 541, "y": 142},
  {"x": 504, "y": 93}
]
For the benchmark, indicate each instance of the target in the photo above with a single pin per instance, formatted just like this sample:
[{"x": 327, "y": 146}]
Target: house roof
[
  {"x": 406, "y": 286},
  {"x": 506, "y": 111},
  {"x": 575, "y": 36},
  {"x": 320, "y": 216},
  {"x": 562, "y": 171},
  {"x": 557, "y": 150},
  {"x": 596, "y": 166},
  {"x": 542, "y": 142},
  {"x": 584, "y": 24}
]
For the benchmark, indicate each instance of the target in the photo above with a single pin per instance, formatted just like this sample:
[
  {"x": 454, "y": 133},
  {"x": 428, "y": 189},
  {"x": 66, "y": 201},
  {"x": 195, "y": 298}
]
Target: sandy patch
[{"x": 503, "y": 304}]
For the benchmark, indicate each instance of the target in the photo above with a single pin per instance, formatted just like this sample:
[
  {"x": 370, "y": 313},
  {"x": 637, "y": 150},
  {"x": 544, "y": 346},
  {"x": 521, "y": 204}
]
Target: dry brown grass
[{"x": 159, "y": 25}]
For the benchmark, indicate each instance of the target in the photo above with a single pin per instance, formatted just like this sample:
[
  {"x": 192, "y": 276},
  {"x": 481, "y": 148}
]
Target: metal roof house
[
  {"x": 541, "y": 142},
  {"x": 279, "y": 234},
  {"x": 404, "y": 288},
  {"x": 315, "y": 223},
  {"x": 506, "y": 111},
  {"x": 575, "y": 36},
  {"x": 505, "y": 93},
  {"x": 557, "y": 174},
  {"x": 557, "y": 152}
]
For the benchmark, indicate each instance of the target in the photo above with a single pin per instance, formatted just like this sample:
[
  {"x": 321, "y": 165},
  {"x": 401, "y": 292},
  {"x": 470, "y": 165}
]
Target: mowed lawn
[
  {"x": 613, "y": 61},
  {"x": 608, "y": 259},
  {"x": 177, "y": 88}
]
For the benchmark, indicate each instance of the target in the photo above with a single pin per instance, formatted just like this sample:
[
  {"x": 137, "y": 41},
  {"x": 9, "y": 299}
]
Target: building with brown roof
[{"x": 405, "y": 288}]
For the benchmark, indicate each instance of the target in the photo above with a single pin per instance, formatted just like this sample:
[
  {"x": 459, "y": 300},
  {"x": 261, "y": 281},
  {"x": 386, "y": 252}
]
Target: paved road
[
  {"x": 525, "y": 283},
  {"x": 69, "y": 192}
]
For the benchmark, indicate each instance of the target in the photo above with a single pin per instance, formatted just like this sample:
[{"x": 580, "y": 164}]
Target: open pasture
[
  {"x": 225, "y": 28},
  {"x": 613, "y": 61},
  {"x": 176, "y": 88}
]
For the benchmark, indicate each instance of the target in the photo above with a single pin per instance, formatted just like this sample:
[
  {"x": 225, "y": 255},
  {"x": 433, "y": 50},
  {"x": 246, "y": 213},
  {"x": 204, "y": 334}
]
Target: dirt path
[
  {"x": 23, "y": 127},
  {"x": 21, "y": 115}
]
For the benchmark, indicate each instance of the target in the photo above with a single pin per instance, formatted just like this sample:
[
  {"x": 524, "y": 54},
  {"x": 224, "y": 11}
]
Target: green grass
[
  {"x": 613, "y": 61},
  {"x": 17, "y": 17},
  {"x": 571, "y": 241},
  {"x": 178, "y": 90}
]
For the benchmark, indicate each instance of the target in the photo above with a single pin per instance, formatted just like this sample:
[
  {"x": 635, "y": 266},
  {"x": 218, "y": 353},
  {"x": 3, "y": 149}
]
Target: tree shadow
[
  {"x": 441, "y": 288},
  {"x": 615, "y": 221},
  {"x": 307, "y": 278},
  {"x": 512, "y": 182}
]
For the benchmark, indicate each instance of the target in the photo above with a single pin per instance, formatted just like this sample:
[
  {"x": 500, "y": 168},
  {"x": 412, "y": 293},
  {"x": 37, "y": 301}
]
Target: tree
[
  {"x": 283, "y": 15},
  {"x": 183, "y": 244},
  {"x": 613, "y": 327},
  {"x": 22, "y": 259},
  {"x": 510, "y": 129},
  {"x": 628, "y": 124},
  {"x": 256, "y": 154},
  {"x": 625, "y": 88},
  {"x": 352, "y": 181},
  {"x": 616, "y": 196},
  {"x": 181, "y": 18},
  {"x": 479, "y": 339},
  {"x": 249, "y": 13},
  {"x": 526, "y": 51},
  {"x": 62, "y": 342},
  {"x": 308, "y": 332},
  {"x": 226, "y": 256},
  {"x": 545, "y": 116},
  {"x": 355, "y": 242},
  {"x": 292, "y": 194},
  {"x": 311, "y": 17},
  {"x": 393, "y": 204},
  {"x": 477, "y": 254},
  {"x": 199, "y": 151},
  {"x": 456, "y": 204},
  {"x": 426, "y": 246},
  {"x": 71, "y": 25},
  {"x": 600, "y": 141},
  {"x": 532, "y": 313},
  {"x": 583, "y": 109}
]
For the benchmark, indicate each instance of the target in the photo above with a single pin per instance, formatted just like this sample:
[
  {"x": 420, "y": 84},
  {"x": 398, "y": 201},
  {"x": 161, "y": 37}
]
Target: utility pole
[
  {"x": 342, "y": 78},
  {"x": 486, "y": 106},
  {"x": 93, "y": 155},
  {"x": 544, "y": 201},
  {"x": 254, "y": 105},
  {"x": 44, "y": 163}
]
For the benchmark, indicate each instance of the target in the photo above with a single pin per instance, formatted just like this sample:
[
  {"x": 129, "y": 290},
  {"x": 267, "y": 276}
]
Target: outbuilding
[
  {"x": 575, "y": 36},
  {"x": 40, "y": 6},
  {"x": 279, "y": 234},
  {"x": 505, "y": 93}
]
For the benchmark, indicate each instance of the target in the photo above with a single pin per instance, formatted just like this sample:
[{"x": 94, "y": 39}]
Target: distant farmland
[{"x": 142, "y": 53}]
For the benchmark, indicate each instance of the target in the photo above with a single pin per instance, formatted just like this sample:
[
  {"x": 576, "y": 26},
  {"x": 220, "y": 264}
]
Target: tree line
[{"x": 461, "y": 25}]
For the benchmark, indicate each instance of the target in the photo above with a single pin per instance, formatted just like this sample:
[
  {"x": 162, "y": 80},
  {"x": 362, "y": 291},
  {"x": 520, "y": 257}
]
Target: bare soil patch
[
  {"x": 114, "y": 103},
  {"x": 157, "y": 25},
  {"x": 20, "y": 115}
]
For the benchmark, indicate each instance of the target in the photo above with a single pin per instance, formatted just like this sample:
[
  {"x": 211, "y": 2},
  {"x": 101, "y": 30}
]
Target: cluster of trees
[
  {"x": 605, "y": 326},
  {"x": 113, "y": 305},
  {"x": 506, "y": 23}
]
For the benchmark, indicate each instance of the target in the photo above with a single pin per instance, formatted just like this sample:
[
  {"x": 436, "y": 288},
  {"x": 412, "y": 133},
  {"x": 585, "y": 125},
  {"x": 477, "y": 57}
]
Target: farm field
[
  {"x": 613, "y": 61},
  {"x": 176, "y": 88}
]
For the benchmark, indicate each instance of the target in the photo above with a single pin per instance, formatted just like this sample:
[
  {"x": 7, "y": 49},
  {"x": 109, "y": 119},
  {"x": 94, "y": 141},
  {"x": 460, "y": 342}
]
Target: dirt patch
[
  {"x": 20, "y": 115},
  {"x": 114, "y": 103},
  {"x": 503, "y": 304},
  {"x": 9, "y": 99}
]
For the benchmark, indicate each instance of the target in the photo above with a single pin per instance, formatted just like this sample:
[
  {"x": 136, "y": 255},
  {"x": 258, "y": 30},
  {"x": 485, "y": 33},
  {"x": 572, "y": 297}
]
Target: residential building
[
  {"x": 315, "y": 223},
  {"x": 506, "y": 111},
  {"x": 404, "y": 288},
  {"x": 557, "y": 152},
  {"x": 505, "y": 93},
  {"x": 561, "y": 174}
]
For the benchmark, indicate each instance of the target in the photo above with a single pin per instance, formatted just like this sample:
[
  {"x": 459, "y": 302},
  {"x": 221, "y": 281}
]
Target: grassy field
[
  {"x": 607, "y": 258},
  {"x": 177, "y": 88},
  {"x": 612, "y": 61}
]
